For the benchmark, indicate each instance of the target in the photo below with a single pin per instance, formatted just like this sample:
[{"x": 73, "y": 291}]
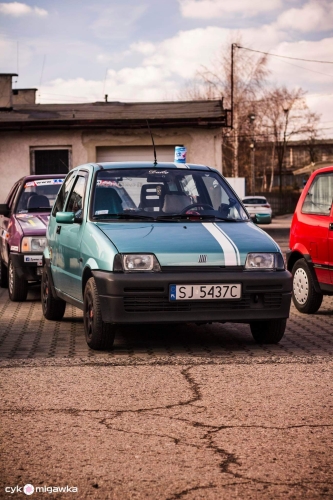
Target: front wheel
[
  {"x": 53, "y": 309},
  {"x": 268, "y": 332},
  {"x": 17, "y": 287},
  {"x": 3, "y": 274},
  {"x": 305, "y": 297},
  {"x": 99, "y": 335}
]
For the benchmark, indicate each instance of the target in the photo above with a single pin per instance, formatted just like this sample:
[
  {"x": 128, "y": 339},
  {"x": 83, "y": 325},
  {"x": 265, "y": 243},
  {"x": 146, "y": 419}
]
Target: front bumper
[
  {"x": 144, "y": 297},
  {"x": 29, "y": 271}
]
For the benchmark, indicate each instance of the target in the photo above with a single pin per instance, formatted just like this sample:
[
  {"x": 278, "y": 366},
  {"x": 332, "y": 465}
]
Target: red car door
[
  {"x": 315, "y": 219},
  {"x": 330, "y": 243}
]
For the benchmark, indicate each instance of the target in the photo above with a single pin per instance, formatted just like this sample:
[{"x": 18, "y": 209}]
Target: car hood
[
  {"x": 33, "y": 223},
  {"x": 187, "y": 244}
]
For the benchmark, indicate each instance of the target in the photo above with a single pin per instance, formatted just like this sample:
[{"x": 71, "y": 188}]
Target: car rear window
[{"x": 255, "y": 201}]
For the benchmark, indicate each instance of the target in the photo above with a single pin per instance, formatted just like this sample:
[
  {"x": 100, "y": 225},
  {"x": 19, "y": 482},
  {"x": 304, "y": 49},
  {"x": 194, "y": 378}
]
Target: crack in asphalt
[
  {"x": 176, "y": 496},
  {"x": 226, "y": 458}
]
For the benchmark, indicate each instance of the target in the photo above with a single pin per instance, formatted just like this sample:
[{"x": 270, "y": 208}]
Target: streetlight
[
  {"x": 286, "y": 110},
  {"x": 251, "y": 118}
]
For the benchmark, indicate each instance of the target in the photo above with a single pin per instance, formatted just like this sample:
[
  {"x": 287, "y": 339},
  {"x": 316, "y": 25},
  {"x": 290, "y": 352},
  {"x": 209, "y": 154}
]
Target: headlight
[
  {"x": 264, "y": 261},
  {"x": 136, "y": 262},
  {"x": 33, "y": 244}
]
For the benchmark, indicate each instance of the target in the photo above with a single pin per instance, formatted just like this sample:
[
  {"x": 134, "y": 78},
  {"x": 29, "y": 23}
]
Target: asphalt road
[{"x": 191, "y": 413}]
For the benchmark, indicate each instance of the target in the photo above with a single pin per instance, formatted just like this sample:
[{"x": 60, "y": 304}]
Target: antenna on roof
[{"x": 152, "y": 138}]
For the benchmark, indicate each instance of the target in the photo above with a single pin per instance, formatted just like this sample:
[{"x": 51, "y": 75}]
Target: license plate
[
  {"x": 36, "y": 259},
  {"x": 219, "y": 291}
]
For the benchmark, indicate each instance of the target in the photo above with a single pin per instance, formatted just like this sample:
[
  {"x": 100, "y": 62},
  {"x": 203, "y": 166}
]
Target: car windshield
[
  {"x": 38, "y": 195},
  {"x": 170, "y": 194}
]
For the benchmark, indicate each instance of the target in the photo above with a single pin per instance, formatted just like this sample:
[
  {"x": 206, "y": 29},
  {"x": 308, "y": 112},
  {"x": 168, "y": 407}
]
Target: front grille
[
  {"x": 272, "y": 300},
  {"x": 159, "y": 304}
]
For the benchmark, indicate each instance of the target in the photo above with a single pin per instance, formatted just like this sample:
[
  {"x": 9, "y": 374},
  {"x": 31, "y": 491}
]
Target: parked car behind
[
  {"x": 258, "y": 208},
  {"x": 311, "y": 242},
  {"x": 23, "y": 220},
  {"x": 136, "y": 242}
]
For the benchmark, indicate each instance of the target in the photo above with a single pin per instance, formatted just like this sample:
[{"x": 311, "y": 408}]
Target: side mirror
[
  {"x": 4, "y": 209},
  {"x": 65, "y": 217}
]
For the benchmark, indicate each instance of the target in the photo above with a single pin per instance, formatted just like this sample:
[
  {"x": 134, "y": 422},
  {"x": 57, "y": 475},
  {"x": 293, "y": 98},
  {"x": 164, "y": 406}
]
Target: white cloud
[
  {"x": 298, "y": 73},
  {"x": 116, "y": 21},
  {"x": 18, "y": 9},
  {"x": 210, "y": 9},
  {"x": 312, "y": 16},
  {"x": 145, "y": 48},
  {"x": 128, "y": 84}
]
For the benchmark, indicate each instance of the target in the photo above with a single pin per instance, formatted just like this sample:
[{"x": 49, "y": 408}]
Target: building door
[{"x": 134, "y": 153}]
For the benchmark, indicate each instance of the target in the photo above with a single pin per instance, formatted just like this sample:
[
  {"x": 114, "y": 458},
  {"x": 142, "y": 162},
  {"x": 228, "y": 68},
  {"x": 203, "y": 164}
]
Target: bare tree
[
  {"x": 249, "y": 75},
  {"x": 285, "y": 117}
]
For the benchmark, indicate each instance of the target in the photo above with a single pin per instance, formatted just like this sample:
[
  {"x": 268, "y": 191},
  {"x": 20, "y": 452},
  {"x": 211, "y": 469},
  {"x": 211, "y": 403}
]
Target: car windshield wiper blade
[
  {"x": 38, "y": 209},
  {"x": 123, "y": 216},
  {"x": 193, "y": 217}
]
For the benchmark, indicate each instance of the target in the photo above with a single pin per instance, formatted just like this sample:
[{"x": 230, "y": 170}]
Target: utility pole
[{"x": 234, "y": 116}]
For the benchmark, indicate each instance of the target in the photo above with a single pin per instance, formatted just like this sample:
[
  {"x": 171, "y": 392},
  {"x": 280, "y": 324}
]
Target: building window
[{"x": 50, "y": 160}]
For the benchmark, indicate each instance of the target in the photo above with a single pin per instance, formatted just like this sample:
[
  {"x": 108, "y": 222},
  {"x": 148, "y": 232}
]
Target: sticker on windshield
[
  {"x": 101, "y": 212},
  {"x": 43, "y": 182},
  {"x": 107, "y": 183},
  {"x": 159, "y": 172}
]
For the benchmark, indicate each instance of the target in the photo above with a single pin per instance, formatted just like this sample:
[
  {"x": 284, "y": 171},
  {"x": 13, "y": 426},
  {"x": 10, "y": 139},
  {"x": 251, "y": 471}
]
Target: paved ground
[
  {"x": 25, "y": 334},
  {"x": 196, "y": 413}
]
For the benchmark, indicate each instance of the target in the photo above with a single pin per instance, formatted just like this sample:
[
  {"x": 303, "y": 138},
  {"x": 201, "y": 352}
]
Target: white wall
[
  {"x": 203, "y": 147},
  {"x": 238, "y": 185}
]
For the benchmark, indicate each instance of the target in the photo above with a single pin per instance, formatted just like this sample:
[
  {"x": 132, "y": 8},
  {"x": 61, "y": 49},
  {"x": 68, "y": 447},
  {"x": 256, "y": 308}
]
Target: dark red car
[
  {"x": 310, "y": 258},
  {"x": 23, "y": 220}
]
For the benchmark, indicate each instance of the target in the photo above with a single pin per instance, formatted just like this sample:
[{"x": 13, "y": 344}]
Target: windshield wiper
[
  {"x": 123, "y": 216},
  {"x": 38, "y": 209},
  {"x": 193, "y": 217}
]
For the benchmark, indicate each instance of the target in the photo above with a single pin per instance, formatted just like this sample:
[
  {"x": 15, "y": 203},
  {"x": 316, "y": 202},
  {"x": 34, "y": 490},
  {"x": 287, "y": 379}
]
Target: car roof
[
  {"x": 323, "y": 169},
  {"x": 148, "y": 164},
  {"x": 33, "y": 177}
]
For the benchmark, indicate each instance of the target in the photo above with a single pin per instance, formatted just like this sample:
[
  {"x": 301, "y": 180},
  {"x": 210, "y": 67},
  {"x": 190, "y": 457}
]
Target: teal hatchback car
[{"x": 142, "y": 242}]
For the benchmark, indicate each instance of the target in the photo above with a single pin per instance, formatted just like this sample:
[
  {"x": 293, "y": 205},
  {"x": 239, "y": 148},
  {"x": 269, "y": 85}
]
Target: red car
[{"x": 310, "y": 258}]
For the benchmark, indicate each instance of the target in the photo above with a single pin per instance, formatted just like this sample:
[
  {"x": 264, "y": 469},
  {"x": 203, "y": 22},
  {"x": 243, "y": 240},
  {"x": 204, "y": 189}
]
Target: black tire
[
  {"x": 268, "y": 332},
  {"x": 17, "y": 287},
  {"x": 99, "y": 335},
  {"x": 53, "y": 309},
  {"x": 306, "y": 299},
  {"x": 3, "y": 274}
]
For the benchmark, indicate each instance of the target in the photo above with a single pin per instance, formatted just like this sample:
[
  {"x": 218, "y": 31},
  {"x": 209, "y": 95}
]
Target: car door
[
  {"x": 53, "y": 235},
  {"x": 69, "y": 239},
  {"x": 330, "y": 236},
  {"x": 315, "y": 225},
  {"x": 5, "y": 223}
]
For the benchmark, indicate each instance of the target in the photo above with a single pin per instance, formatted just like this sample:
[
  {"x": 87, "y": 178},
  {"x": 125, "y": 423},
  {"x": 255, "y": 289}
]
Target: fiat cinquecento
[{"x": 143, "y": 242}]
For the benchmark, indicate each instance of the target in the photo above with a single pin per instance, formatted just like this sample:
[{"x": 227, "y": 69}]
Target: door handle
[
  {"x": 58, "y": 229},
  {"x": 331, "y": 226}
]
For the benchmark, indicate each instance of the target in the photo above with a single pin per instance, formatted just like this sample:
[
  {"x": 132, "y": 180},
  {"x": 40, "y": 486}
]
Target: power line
[{"x": 284, "y": 57}]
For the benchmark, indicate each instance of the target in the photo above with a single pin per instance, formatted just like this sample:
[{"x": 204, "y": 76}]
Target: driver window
[
  {"x": 62, "y": 195},
  {"x": 75, "y": 201},
  {"x": 319, "y": 198}
]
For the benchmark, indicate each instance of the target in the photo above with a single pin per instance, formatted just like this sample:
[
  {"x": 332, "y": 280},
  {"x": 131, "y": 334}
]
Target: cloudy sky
[{"x": 134, "y": 50}]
